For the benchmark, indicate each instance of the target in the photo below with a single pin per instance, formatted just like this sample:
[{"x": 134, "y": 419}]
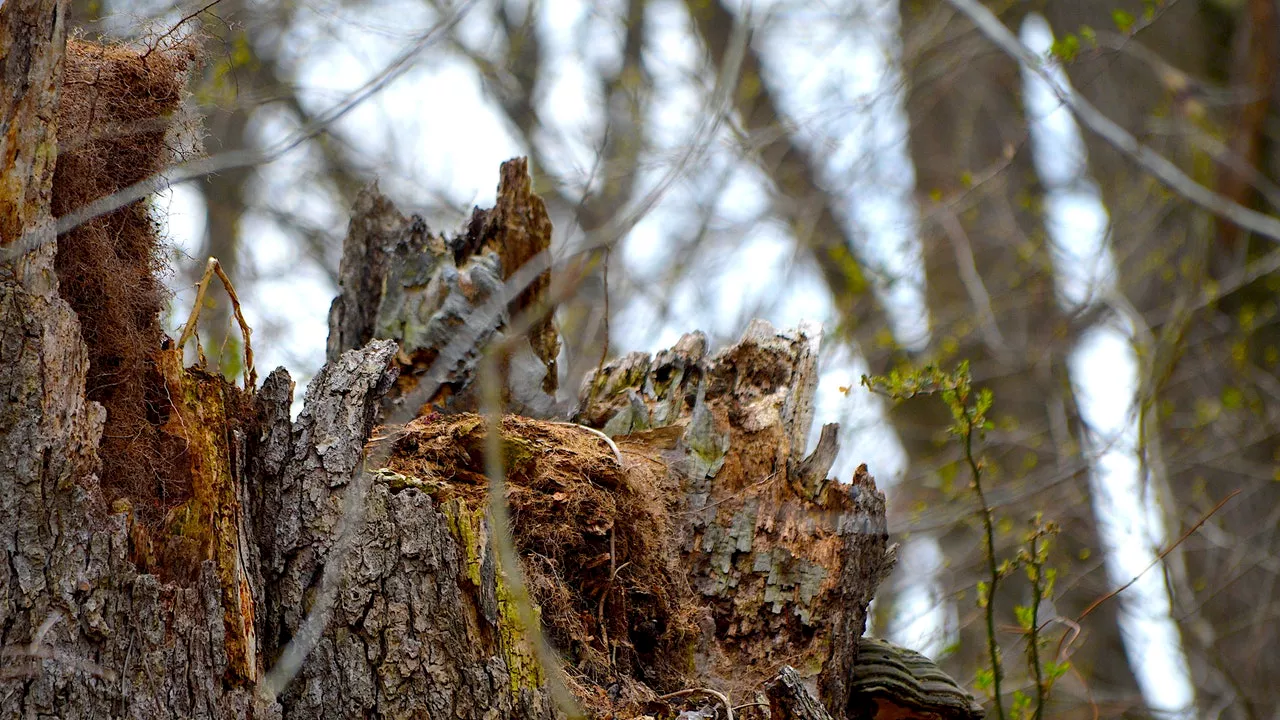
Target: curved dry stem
[
  {"x": 211, "y": 268},
  {"x": 724, "y": 700}
]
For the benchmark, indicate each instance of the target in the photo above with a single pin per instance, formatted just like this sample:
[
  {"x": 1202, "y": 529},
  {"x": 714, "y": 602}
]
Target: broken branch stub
[{"x": 399, "y": 280}]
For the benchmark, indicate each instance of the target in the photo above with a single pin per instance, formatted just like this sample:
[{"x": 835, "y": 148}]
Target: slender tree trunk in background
[
  {"x": 233, "y": 82},
  {"x": 990, "y": 293},
  {"x": 1209, "y": 391},
  {"x": 225, "y": 204},
  {"x": 627, "y": 94}
]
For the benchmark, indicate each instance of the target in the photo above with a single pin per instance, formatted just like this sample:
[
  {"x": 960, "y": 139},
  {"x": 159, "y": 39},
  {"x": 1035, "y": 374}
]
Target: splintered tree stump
[
  {"x": 782, "y": 564},
  {"x": 711, "y": 550},
  {"x": 418, "y": 627},
  {"x": 680, "y": 548}
]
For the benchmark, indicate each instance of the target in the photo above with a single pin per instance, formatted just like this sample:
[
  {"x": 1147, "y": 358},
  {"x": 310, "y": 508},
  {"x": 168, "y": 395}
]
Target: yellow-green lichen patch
[
  {"x": 516, "y": 642},
  {"x": 206, "y": 526},
  {"x": 470, "y": 527}
]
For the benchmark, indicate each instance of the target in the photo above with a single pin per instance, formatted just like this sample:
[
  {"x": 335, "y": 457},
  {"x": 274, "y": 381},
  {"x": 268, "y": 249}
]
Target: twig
[
  {"x": 604, "y": 345},
  {"x": 175, "y": 27},
  {"x": 250, "y": 373},
  {"x": 1159, "y": 557},
  {"x": 1037, "y": 593},
  {"x": 1119, "y": 138},
  {"x": 993, "y": 647},
  {"x": 201, "y": 287},
  {"x": 1088, "y": 692},
  {"x": 211, "y": 268},
  {"x": 613, "y": 574},
  {"x": 728, "y": 707},
  {"x": 617, "y": 454}
]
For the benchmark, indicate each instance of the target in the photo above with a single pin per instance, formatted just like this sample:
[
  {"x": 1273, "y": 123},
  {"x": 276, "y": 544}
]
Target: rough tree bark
[{"x": 693, "y": 560}]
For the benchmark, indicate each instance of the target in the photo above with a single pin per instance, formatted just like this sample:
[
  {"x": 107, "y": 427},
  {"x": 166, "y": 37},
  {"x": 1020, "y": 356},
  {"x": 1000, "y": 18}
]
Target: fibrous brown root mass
[
  {"x": 116, "y": 127},
  {"x": 594, "y": 537}
]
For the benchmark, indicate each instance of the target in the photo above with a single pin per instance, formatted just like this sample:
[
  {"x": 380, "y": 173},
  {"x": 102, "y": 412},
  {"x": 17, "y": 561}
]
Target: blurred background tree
[{"x": 883, "y": 168}]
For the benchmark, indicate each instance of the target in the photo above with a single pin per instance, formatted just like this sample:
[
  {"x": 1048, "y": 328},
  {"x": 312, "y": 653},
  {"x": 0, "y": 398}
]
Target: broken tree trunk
[
  {"x": 346, "y": 564},
  {"x": 782, "y": 562},
  {"x": 720, "y": 553}
]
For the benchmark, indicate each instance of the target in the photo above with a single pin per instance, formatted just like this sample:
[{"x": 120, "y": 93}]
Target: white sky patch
[
  {"x": 569, "y": 90},
  {"x": 455, "y": 138},
  {"x": 433, "y": 126},
  {"x": 1083, "y": 261},
  {"x": 865, "y": 436},
  {"x": 925, "y": 620},
  {"x": 1104, "y": 373},
  {"x": 850, "y": 86},
  {"x": 1077, "y": 222},
  {"x": 182, "y": 207},
  {"x": 183, "y": 213}
]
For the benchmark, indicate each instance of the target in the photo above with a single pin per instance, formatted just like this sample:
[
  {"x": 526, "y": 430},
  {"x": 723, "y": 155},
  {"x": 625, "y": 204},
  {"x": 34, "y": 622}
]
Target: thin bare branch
[
  {"x": 1119, "y": 138},
  {"x": 1159, "y": 557}
]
